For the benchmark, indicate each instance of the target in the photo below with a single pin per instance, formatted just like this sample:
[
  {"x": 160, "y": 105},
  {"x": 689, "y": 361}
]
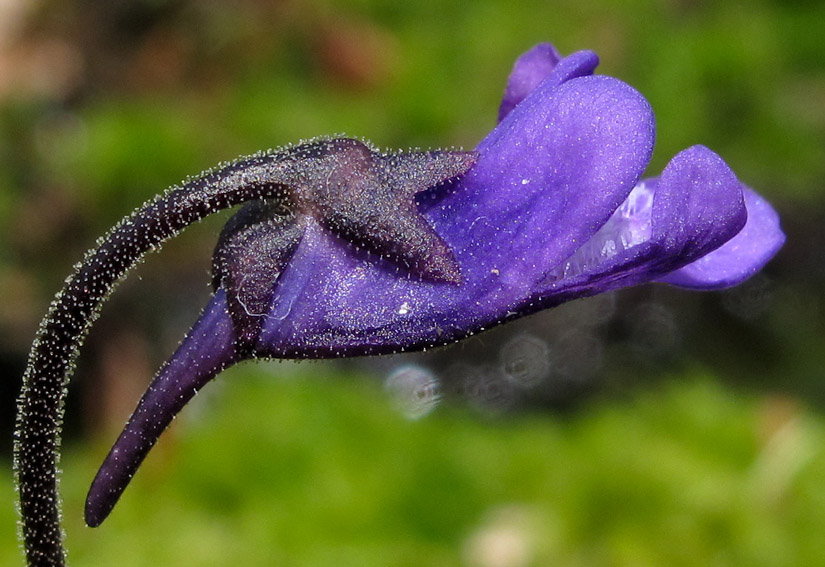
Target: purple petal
[
  {"x": 740, "y": 257},
  {"x": 693, "y": 208},
  {"x": 530, "y": 69},
  {"x": 547, "y": 178},
  {"x": 536, "y": 65},
  {"x": 698, "y": 204},
  {"x": 206, "y": 351}
]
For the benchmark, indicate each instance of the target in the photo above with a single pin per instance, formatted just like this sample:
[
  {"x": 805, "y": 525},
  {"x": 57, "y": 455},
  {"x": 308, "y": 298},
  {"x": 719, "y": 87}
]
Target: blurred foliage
[
  {"x": 104, "y": 104},
  {"x": 307, "y": 471}
]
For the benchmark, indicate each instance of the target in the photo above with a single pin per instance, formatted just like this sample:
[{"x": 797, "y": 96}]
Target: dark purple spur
[{"x": 343, "y": 251}]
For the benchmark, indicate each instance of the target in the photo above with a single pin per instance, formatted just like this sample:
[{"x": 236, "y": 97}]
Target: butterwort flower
[{"x": 343, "y": 251}]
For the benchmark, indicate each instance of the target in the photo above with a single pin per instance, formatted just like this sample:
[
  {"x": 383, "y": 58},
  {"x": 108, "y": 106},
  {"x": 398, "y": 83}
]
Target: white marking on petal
[{"x": 629, "y": 226}]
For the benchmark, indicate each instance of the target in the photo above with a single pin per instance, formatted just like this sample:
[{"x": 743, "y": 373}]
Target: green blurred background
[{"x": 669, "y": 428}]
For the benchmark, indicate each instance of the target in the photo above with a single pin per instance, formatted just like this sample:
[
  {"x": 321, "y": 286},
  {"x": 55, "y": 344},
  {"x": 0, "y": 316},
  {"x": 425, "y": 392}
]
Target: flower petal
[
  {"x": 530, "y": 69},
  {"x": 546, "y": 179},
  {"x": 697, "y": 206},
  {"x": 739, "y": 258},
  {"x": 536, "y": 65},
  {"x": 207, "y": 349}
]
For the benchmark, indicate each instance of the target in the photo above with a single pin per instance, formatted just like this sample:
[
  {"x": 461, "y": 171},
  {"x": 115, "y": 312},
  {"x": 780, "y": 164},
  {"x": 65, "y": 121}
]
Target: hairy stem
[{"x": 52, "y": 357}]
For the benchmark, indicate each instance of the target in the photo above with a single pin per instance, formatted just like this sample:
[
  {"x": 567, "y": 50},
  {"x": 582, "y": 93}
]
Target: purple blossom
[{"x": 553, "y": 208}]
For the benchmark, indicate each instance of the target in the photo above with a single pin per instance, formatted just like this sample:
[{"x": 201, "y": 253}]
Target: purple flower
[
  {"x": 364, "y": 253},
  {"x": 554, "y": 209}
]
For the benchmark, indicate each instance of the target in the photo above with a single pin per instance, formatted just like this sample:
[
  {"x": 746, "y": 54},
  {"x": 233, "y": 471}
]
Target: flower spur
[{"x": 360, "y": 253}]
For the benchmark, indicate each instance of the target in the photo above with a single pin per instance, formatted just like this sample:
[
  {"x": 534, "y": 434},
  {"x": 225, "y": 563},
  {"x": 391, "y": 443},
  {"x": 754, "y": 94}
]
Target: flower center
[{"x": 629, "y": 226}]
